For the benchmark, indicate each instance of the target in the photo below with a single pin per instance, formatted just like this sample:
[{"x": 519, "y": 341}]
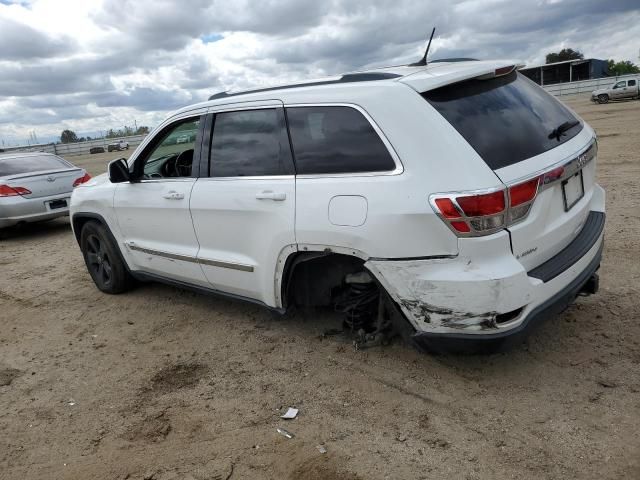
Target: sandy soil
[{"x": 167, "y": 384}]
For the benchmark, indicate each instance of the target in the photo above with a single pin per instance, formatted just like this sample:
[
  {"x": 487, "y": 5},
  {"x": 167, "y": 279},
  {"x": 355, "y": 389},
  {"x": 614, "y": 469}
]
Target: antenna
[{"x": 423, "y": 60}]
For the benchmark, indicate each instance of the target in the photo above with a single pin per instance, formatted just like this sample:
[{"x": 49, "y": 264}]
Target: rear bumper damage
[
  {"x": 483, "y": 298},
  {"x": 585, "y": 283}
]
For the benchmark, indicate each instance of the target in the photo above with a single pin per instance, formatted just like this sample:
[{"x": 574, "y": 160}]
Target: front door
[
  {"x": 153, "y": 211},
  {"x": 619, "y": 90},
  {"x": 244, "y": 210}
]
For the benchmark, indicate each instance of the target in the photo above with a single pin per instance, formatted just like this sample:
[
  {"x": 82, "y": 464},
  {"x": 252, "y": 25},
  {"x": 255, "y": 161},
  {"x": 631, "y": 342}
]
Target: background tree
[
  {"x": 68, "y": 136},
  {"x": 563, "y": 55},
  {"x": 126, "y": 131},
  {"x": 623, "y": 67}
]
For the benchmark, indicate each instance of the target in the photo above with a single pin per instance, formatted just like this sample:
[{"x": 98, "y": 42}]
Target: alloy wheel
[{"x": 98, "y": 259}]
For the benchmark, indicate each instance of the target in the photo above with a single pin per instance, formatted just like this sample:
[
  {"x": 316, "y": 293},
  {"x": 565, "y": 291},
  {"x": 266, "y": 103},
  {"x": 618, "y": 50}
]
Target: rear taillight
[
  {"x": 7, "y": 191},
  {"x": 481, "y": 205},
  {"x": 552, "y": 175},
  {"x": 483, "y": 213},
  {"x": 523, "y": 192},
  {"x": 447, "y": 208},
  {"x": 471, "y": 214},
  {"x": 521, "y": 197},
  {"x": 83, "y": 179}
]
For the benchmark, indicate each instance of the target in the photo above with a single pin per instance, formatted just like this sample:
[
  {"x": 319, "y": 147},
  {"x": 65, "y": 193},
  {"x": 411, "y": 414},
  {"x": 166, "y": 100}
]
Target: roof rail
[
  {"x": 455, "y": 59},
  {"x": 346, "y": 78}
]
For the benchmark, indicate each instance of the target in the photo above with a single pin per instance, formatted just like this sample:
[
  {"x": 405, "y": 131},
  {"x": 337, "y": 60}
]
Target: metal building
[{"x": 567, "y": 71}]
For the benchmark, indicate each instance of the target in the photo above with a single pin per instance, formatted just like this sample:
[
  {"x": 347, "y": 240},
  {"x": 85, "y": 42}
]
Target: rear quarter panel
[{"x": 400, "y": 223}]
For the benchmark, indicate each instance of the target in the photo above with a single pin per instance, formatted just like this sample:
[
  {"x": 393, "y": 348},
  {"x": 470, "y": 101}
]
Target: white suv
[{"x": 455, "y": 202}]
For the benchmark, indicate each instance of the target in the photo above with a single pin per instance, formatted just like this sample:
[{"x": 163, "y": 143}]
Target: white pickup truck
[
  {"x": 621, "y": 90},
  {"x": 117, "y": 146}
]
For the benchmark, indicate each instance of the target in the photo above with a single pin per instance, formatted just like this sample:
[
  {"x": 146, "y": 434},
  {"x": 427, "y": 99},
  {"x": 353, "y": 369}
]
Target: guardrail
[
  {"x": 584, "y": 86},
  {"x": 78, "y": 148}
]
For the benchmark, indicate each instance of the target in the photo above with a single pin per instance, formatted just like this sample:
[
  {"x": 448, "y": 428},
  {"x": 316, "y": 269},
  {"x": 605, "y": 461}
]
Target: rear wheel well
[
  {"x": 311, "y": 278},
  {"x": 343, "y": 282}
]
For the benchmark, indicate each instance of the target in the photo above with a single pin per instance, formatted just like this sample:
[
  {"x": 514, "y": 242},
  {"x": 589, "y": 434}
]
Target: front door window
[{"x": 172, "y": 157}]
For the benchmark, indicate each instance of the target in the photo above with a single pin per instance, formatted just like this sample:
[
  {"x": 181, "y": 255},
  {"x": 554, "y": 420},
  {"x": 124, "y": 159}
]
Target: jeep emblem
[{"x": 582, "y": 160}]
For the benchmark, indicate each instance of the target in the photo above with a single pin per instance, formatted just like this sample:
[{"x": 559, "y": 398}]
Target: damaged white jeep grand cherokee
[{"x": 454, "y": 202}]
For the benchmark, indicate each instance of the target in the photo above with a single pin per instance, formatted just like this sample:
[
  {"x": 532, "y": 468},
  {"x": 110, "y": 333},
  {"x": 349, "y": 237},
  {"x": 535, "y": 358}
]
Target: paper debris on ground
[{"x": 290, "y": 413}]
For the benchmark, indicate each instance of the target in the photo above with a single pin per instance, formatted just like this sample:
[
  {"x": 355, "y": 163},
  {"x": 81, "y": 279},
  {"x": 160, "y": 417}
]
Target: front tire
[
  {"x": 103, "y": 261},
  {"x": 603, "y": 98}
]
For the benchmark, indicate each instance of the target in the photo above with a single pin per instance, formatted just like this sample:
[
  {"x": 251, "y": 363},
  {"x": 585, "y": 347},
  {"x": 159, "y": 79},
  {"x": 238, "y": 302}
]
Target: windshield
[
  {"x": 505, "y": 119},
  {"x": 28, "y": 164}
]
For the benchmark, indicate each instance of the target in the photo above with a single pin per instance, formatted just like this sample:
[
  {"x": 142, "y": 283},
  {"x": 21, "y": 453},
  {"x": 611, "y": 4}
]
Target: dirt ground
[{"x": 162, "y": 383}]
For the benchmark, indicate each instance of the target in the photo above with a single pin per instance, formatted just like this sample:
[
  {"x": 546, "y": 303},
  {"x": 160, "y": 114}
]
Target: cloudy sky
[{"x": 91, "y": 65}]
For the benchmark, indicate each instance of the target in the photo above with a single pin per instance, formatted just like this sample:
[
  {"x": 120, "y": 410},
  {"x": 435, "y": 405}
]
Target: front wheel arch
[
  {"x": 103, "y": 258},
  {"x": 80, "y": 219}
]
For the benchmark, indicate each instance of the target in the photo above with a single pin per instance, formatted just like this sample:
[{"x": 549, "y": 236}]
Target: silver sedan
[{"x": 36, "y": 186}]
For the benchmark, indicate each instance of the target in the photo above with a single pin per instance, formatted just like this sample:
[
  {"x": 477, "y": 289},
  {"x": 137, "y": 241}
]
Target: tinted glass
[
  {"x": 506, "y": 119},
  {"x": 173, "y": 156},
  {"x": 335, "y": 140},
  {"x": 247, "y": 143},
  {"x": 632, "y": 83},
  {"x": 17, "y": 165}
]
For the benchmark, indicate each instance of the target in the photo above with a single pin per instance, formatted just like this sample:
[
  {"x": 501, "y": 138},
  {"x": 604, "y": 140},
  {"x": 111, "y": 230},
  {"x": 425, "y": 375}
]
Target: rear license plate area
[
  {"x": 57, "y": 204},
  {"x": 572, "y": 190}
]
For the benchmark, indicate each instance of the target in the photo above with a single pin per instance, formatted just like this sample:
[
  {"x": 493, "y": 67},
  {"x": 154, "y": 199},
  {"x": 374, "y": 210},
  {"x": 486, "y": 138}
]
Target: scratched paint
[{"x": 443, "y": 295}]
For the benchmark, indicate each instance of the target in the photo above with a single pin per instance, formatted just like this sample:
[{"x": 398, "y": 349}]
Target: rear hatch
[
  {"x": 42, "y": 175},
  {"x": 522, "y": 133}
]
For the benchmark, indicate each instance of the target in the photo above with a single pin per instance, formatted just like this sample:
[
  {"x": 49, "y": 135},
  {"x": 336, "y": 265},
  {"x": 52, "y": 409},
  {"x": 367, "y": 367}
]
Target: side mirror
[{"x": 119, "y": 171}]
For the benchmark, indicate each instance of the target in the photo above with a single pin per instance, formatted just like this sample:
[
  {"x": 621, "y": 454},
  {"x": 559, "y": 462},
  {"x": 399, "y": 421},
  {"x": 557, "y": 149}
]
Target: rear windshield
[
  {"x": 505, "y": 119},
  {"x": 17, "y": 165}
]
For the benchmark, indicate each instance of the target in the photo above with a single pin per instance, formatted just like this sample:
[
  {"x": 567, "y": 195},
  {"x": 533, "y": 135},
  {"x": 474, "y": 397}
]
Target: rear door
[
  {"x": 243, "y": 208},
  {"x": 522, "y": 132},
  {"x": 632, "y": 88},
  {"x": 153, "y": 212}
]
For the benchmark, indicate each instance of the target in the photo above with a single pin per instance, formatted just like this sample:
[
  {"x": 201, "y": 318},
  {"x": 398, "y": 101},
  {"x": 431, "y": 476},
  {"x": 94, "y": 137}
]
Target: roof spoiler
[
  {"x": 423, "y": 81},
  {"x": 501, "y": 71}
]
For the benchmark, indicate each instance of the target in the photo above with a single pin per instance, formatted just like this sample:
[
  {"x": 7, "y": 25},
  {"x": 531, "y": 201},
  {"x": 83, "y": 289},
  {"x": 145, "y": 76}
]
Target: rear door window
[
  {"x": 250, "y": 143},
  {"x": 330, "y": 140},
  {"x": 632, "y": 83},
  {"x": 505, "y": 119},
  {"x": 28, "y": 164}
]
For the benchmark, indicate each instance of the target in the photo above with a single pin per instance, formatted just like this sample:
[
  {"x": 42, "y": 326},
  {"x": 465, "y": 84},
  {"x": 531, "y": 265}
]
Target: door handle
[
  {"x": 269, "y": 195},
  {"x": 173, "y": 195}
]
